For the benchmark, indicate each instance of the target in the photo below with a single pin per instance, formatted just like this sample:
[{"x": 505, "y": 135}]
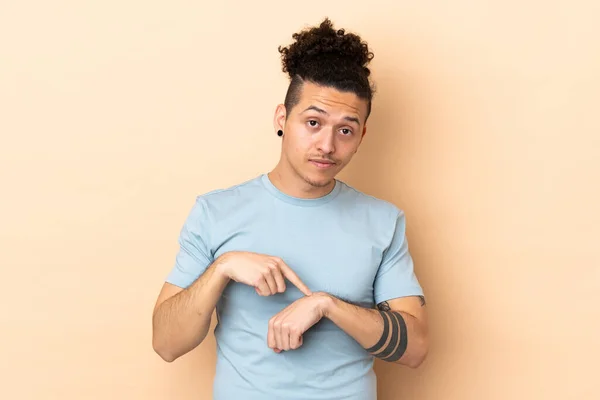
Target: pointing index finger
[{"x": 292, "y": 277}]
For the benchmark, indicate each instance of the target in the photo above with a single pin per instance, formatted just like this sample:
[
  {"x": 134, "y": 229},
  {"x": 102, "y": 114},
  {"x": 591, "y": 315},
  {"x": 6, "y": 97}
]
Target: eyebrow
[{"x": 321, "y": 111}]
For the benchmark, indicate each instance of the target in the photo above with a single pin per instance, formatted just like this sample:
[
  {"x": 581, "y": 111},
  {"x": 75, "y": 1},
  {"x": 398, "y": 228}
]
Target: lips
[{"x": 320, "y": 163}]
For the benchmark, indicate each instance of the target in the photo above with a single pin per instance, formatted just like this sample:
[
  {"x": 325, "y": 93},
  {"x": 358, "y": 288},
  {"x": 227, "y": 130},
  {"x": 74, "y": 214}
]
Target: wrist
[
  {"x": 220, "y": 266},
  {"x": 325, "y": 303}
]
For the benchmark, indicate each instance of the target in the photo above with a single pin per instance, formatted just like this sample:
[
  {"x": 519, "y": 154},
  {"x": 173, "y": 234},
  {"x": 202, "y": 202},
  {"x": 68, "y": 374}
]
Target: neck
[{"x": 291, "y": 183}]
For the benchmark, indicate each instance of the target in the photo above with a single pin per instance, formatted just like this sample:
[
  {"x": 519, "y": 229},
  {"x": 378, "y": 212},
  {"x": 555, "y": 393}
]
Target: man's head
[{"x": 327, "y": 104}]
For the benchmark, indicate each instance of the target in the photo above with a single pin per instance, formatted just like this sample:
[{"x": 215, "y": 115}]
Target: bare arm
[
  {"x": 396, "y": 332},
  {"x": 182, "y": 317}
]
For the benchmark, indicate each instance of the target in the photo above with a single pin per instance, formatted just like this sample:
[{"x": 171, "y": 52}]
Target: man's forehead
[{"x": 332, "y": 101}]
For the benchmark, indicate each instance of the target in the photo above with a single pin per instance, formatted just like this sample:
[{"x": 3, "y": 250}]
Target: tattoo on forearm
[
  {"x": 394, "y": 340},
  {"x": 394, "y": 329}
]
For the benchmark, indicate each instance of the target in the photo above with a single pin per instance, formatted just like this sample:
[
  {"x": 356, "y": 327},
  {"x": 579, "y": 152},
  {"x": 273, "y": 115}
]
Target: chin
[{"x": 318, "y": 180}]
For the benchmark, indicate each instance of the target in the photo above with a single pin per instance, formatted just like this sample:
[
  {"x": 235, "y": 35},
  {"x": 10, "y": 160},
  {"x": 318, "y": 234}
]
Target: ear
[
  {"x": 279, "y": 118},
  {"x": 364, "y": 132}
]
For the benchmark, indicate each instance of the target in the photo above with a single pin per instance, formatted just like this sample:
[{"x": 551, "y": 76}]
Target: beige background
[{"x": 485, "y": 130}]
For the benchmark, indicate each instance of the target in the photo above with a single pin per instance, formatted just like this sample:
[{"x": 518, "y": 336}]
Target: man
[{"x": 311, "y": 279}]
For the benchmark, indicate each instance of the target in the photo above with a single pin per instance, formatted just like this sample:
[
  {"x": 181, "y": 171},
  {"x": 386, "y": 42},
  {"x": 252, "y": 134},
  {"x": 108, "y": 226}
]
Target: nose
[{"x": 326, "y": 142}]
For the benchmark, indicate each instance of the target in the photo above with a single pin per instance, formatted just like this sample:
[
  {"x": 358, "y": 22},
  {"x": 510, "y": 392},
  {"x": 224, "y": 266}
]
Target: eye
[
  {"x": 346, "y": 131},
  {"x": 313, "y": 123}
]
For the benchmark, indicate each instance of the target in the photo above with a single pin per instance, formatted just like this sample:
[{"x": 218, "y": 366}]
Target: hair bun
[{"x": 323, "y": 44}]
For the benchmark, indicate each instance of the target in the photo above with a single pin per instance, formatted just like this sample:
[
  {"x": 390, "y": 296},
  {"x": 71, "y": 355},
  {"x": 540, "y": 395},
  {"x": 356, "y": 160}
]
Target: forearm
[
  {"x": 181, "y": 322},
  {"x": 389, "y": 335}
]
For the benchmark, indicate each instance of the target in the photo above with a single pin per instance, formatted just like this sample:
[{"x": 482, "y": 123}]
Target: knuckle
[
  {"x": 271, "y": 266},
  {"x": 276, "y": 260}
]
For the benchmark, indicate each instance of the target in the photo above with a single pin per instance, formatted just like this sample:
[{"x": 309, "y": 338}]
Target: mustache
[{"x": 321, "y": 157}]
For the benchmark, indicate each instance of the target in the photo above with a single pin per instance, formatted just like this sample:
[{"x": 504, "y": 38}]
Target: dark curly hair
[{"x": 328, "y": 57}]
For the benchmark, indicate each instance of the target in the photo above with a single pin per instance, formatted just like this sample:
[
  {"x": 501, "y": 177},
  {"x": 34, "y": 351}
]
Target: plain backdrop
[{"x": 115, "y": 115}]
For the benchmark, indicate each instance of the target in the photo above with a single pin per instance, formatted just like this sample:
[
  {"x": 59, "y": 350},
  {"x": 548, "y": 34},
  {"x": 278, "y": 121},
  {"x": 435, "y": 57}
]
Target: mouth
[{"x": 320, "y": 163}]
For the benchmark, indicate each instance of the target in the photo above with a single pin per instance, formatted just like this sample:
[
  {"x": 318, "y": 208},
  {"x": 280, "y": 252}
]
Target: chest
[{"x": 336, "y": 255}]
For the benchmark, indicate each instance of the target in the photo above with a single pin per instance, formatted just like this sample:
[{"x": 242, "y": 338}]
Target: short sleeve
[
  {"x": 194, "y": 255},
  {"x": 395, "y": 276}
]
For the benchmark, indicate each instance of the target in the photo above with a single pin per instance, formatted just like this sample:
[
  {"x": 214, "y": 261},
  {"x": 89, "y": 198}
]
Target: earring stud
[{"x": 280, "y": 133}]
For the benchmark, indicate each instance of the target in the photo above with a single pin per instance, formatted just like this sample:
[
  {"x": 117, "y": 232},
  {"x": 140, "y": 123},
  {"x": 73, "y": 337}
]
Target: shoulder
[
  {"x": 228, "y": 198},
  {"x": 370, "y": 204},
  {"x": 245, "y": 188},
  {"x": 384, "y": 220}
]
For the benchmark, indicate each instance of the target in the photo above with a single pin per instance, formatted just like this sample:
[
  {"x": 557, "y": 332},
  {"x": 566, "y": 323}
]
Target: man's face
[{"x": 322, "y": 132}]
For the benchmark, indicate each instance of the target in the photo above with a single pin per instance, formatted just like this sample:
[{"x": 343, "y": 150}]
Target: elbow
[
  {"x": 165, "y": 355},
  {"x": 170, "y": 350},
  {"x": 163, "y": 351},
  {"x": 416, "y": 353},
  {"x": 421, "y": 351},
  {"x": 415, "y": 362}
]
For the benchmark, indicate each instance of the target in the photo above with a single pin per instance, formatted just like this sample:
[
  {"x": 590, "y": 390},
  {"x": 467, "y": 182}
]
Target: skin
[
  {"x": 333, "y": 134},
  {"x": 321, "y": 135}
]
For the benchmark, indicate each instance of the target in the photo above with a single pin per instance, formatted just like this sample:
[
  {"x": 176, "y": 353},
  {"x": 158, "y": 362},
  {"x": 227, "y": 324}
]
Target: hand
[
  {"x": 266, "y": 273},
  {"x": 287, "y": 326}
]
